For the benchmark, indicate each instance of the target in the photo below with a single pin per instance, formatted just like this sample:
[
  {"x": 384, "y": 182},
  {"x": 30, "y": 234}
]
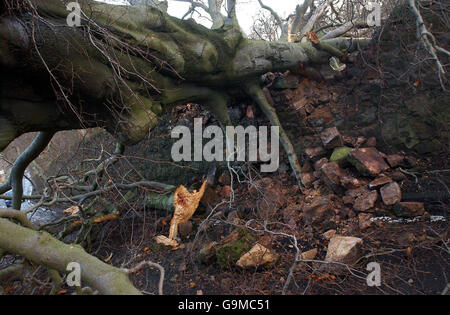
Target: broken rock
[
  {"x": 307, "y": 179},
  {"x": 364, "y": 221},
  {"x": 331, "y": 138},
  {"x": 344, "y": 249},
  {"x": 391, "y": 193},
  {"x": 319, "y": 210},
  {"x": 395, "y": 160},
  {"x": 350, "y": 182},
  {"x": 353, "y": 141},
  {"x": 258, "y": 255},
  {"x": 380, "y": 181},
  {"x": 331, "y": 174},
  {"x": 368, "y": 161},
  {"x": 318, "y": 164},
  {"x": 309, "y": 255},
  {"x": 365, "y": 201},
  {"x": 328, "y": 235}
]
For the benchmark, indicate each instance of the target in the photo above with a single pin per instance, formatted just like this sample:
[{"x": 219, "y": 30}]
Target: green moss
[
  {"x": 340, "y": 154},
  {"x": 228, "y": 254}
]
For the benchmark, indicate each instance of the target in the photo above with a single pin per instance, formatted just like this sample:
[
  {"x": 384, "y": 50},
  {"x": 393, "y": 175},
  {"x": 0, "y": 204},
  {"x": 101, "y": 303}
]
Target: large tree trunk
[{"x": 124, "y": 66}]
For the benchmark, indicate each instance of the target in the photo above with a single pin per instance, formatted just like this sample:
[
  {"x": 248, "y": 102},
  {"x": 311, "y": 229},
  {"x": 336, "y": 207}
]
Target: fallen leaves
[{"x": 72, "y": 211}]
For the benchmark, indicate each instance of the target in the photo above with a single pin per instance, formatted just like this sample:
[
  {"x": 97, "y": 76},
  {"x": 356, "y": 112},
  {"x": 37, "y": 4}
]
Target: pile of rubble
[
  {"x": 360, "y": 181},
  {"x": 346, "y": 181}
]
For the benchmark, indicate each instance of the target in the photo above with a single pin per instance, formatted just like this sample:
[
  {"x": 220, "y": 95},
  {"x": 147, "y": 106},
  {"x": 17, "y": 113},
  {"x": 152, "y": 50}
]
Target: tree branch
[{"x": 45, "y": 250}]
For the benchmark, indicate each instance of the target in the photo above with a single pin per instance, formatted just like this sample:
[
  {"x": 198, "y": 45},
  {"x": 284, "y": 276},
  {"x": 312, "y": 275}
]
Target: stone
[
  {"x": 364, "y": 221},
  {"x": 328, "y": 235},
  {"x": 331, "y": 174},
  {"x": 409, "y": 209},
  {"x": 318, "y": 164},
  {"x": 371, "y": 142},
  {"x": 380, "y": 181},
  {"x": 348, "y": 140},
  {"x": 340, "y": 154},
  {"x": 315, "y": 153},
  {"x": 355, "y": 142},
  {"x": 350, "y": 182},
  {"x": 318, "y": 211},
  {"x": 307, "y": 179},
  {"x": 344, "y": 249},
  {"x": 353, "y": 193},
  {"x": 368, "y": 161},
  {"x": 331, "y": 138},
  {"x": 395, "y": 160},
  {"x": 365, "y": 201},
  {"x": 258, "y": 255},
  {"x": 309, "y": 255},
  {"x": 391, "y": 194},
  {"x": 348, "y": 200}
]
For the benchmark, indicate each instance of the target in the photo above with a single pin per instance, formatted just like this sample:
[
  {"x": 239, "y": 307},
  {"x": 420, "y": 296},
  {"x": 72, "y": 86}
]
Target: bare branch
[{"x": 428, "y": 40}]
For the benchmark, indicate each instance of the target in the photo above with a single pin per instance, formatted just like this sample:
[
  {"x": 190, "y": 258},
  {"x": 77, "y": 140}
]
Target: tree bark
[
  {"x": 45, "y": 250},
  {"x": 124, "y": 66}
]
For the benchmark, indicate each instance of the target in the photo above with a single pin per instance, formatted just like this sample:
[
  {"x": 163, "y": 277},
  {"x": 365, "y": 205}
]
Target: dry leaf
[
  {"x": 312, "y": 36},
  {"x": 72, "y": 211},
  {"x": 107, "y": 218}
]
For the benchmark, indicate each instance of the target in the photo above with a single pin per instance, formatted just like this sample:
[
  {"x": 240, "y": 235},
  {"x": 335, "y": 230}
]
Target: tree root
[
  {"x": 258, "y": 96},
  {"x": 18, "y": 170}
]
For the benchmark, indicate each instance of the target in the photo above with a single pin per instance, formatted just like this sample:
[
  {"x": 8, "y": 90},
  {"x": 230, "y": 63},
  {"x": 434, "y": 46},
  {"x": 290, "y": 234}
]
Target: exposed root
[{"x": 258, "y": 96}]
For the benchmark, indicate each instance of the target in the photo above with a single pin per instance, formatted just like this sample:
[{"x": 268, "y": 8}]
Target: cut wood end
[
  {"x": 185, "y": 204},
  {"x": 164, "y": 240}
]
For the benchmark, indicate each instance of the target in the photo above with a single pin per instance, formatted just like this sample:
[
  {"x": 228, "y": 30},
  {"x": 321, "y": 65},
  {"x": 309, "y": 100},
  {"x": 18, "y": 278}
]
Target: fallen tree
[
  {"x": 125, "y": 65},
  {"x": 120, "y": 69},
  {"x": 45, "y": 250}
]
